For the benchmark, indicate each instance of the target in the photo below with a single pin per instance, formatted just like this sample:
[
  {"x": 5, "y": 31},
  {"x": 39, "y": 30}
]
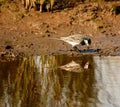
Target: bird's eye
[{"x": 89, "y": 41}]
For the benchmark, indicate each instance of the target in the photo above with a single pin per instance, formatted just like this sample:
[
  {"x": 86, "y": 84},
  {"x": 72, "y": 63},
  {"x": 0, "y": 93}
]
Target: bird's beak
[{"x": 86, "y": 42}]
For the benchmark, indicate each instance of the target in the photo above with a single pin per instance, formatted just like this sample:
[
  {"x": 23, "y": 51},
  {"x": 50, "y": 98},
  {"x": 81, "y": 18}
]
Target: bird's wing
[{"x": 74, "y": 38}]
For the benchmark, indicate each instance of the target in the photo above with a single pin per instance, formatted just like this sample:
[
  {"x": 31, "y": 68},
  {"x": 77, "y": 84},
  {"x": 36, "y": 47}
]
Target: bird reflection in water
[{"x": 74, "y": 67}]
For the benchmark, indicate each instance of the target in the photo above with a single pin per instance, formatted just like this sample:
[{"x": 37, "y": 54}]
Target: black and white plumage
[{"x": 76, "y": 40}]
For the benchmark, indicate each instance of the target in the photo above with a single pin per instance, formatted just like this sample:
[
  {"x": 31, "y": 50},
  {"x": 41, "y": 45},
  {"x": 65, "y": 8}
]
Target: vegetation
[
  {"x": 39, "y": 4},
  {"x": 49, "y": 5}
]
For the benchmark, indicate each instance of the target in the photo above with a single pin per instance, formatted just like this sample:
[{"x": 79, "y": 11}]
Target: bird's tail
[{"x": 55, "y": 38}]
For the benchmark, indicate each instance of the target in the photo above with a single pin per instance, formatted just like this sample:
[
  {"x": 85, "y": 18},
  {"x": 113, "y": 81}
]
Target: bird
[
  {"x": 75, "y": 40},
  {"x": 72, "y": 67}
]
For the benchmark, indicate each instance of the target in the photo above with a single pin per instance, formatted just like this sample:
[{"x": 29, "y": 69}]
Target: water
[{"x": 60, "y": 81}]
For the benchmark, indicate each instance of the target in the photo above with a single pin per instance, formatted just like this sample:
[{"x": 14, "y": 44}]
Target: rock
[
  {"x": 116, "y": 9},
  {"x": 8, "y": 47}
]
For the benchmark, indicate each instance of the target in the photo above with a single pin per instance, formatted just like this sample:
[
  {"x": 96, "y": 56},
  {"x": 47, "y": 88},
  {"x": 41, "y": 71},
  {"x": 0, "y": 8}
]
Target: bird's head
[{"x": 85, "y": 41}]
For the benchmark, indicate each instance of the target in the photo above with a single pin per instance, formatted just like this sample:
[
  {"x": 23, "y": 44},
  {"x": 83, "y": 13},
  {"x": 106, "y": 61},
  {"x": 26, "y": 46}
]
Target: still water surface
[{"x": 60, "y": 81}]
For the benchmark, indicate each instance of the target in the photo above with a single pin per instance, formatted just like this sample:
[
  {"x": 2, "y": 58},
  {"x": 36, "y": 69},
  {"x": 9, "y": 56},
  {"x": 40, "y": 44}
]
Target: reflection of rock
[
  {"x": 72, "y": 67},
  {"x": 7, "y": 55}
]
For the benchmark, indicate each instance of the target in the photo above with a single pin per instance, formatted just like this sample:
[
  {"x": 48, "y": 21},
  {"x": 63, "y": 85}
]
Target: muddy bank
[{"x": 28, "y": 33}]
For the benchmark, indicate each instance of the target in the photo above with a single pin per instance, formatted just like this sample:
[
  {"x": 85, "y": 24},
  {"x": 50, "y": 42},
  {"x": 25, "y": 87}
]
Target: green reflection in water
[{"x": 40, "y": 81}]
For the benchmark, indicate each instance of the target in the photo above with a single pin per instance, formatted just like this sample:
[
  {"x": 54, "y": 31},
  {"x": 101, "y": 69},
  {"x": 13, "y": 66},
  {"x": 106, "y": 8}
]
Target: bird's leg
[
  {"x": 88, "y": 47},
  {"x": 76, "y": 48}
]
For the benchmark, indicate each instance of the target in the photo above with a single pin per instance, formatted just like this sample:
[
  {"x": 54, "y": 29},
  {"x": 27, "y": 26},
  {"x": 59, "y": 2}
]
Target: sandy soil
[{"x": 28, "y": 33}]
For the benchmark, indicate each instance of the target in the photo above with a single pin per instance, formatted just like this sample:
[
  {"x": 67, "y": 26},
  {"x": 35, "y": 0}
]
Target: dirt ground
[{"x": 25, "y": 33}]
